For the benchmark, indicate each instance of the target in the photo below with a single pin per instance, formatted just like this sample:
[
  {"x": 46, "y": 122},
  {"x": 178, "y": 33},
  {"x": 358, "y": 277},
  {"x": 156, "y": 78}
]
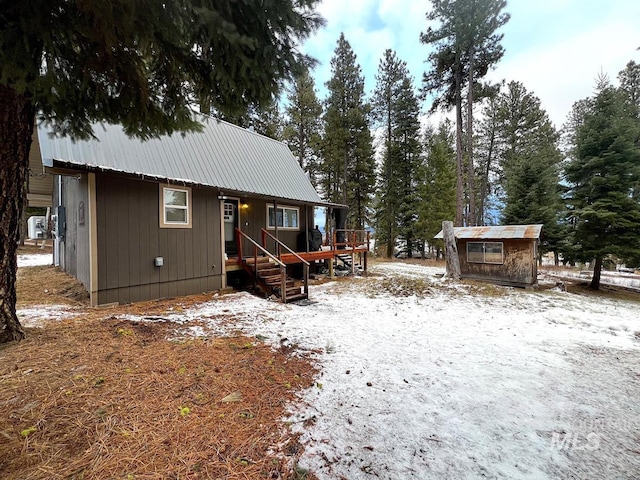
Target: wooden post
[{"x": 451, "y": 251}]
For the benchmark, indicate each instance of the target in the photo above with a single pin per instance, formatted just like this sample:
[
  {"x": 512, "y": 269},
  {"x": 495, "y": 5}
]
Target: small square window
[{"x": 175, "y": 207}]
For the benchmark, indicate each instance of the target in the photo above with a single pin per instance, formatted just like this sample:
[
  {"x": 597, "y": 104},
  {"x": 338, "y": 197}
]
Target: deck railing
[
  {"x": 257, "y": 247},
  {"x": 279, "y": 246},
  {"x": 351, "y": 239}
]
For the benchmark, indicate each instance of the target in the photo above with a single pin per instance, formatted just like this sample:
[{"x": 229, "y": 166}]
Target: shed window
[
  {"x": 175, "y": 207},
  {"x": 485, "y": 252},
  {"x": 285, "y": 217}
]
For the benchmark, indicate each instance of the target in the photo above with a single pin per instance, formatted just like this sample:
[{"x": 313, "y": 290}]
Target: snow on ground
[
  {"x": 454, "y": 382},
  {"x": 35, "y": 259},
  {"x": 38, "y": 315},
  {"x": 621, "y": 279}
]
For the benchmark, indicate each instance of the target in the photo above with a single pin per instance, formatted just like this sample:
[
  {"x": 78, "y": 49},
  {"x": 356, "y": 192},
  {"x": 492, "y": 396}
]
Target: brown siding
[
  {"x": 519, "y": 266},
  {"x": 254, "y": 218},
  {"x": 40, "y": 183},
  {"x": 130, "y": 238},
  {"x": 74, "y": 251}
]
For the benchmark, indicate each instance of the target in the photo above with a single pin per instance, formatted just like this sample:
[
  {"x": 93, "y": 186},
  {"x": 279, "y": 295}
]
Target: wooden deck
[{"x": 233, "y": 263}]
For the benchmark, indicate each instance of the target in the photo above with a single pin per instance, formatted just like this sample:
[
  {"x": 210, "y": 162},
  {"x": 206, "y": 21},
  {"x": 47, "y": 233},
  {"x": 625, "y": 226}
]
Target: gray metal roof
[
  {"x": 494, "y": 233},
  {"x": 222, "y": 155}
]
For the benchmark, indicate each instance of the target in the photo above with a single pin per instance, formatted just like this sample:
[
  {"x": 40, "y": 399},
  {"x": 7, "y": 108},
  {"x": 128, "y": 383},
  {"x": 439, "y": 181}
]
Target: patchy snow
[
  {"x": 621, "y": 279},
  {"x": 38, "y": 315},
  {"x": 427, "y": 378},
  {"x": 35, "y": 259}
]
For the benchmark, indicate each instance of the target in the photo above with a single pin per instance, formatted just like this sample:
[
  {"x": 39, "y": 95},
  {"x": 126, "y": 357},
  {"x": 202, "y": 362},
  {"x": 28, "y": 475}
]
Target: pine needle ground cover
[{"x": 94, "y": 397}]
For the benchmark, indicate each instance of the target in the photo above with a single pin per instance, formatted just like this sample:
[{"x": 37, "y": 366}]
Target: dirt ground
[{"x": 97, "y": 397}]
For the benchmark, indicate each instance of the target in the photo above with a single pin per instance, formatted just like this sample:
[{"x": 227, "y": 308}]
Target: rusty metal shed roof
[
  {"x": 221, "y": 155},
  {"x": 498, "y": 232}
]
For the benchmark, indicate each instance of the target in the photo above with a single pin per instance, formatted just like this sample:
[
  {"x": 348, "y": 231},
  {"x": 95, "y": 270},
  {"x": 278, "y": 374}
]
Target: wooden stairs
[
  {"x": 268, "y": 276},
  {"x": 346, "y": 260}
]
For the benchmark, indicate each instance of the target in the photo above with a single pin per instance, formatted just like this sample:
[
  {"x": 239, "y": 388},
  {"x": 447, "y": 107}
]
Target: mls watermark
[
  {"x": 575, "y": 441},
  {"x": 587, "y": 435}
]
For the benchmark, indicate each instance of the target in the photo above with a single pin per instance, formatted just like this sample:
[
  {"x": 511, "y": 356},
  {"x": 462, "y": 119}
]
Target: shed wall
[
  {"x": 40, "y": 189},
  {"x": 74, "y": 247},
  {"x": 130, "y": 238},
  {"x": 519, "y": 265}
]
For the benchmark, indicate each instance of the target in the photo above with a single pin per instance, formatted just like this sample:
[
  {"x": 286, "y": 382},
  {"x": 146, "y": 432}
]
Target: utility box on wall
[{"x": 37, "y": 227}]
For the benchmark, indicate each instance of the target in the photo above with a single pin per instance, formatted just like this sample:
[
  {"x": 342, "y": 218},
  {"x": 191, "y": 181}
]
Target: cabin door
[{"x": 231, "y": 222}]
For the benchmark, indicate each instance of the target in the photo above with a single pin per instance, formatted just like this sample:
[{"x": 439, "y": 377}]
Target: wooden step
[
  {"x": 294, "y": 298},
  {"x": 269, "y": 272}
]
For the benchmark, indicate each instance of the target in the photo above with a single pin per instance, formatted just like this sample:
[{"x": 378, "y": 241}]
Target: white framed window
[
  {"x": 287, "y": 218},
  {"x": 175, "y": 207},
  {"x": 485, "y": 252}
]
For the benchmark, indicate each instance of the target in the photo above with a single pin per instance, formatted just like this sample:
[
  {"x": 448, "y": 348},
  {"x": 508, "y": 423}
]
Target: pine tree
[
  {"x": 264, "y": 119},
  {"x": 142, "y": 64},
  {"x": 530, "y": 164},
  {"x": 348, "y": 167},
  {"x": 602, "y": 172},
  {"x": 396, "y": 109},
  {"x": 303, "y": 127},
  {"x": 630, "y": 86},
  {"x": 436, "y": 189},
  {"x": 466, "y": 46}
]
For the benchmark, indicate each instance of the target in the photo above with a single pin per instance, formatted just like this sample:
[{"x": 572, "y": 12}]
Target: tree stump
[{"x": 450, "y": 251}]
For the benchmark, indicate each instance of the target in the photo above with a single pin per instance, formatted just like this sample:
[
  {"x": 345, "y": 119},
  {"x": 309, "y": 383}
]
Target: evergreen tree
[
  {"x": 142, "y": 64},
  {"x": 396, "y": 109},
  {"x": 437, "y": 187},
  {"x": 466, "y": 46},
  {"x": 488, "y": 148},
  {"x": 529, "y": 164},
  {"x": 265, "y": 120},
  {"x": 630, "y": 86},
  {"x": 602, "y": 172},
  {"x": 348, "y": 167},
  {"x": 303, "y": 127}
]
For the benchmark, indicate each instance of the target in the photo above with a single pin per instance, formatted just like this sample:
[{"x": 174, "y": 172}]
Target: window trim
[
  {"x": 283, "y": 208},
  {"x": 163, "y": 212},
  {"x": 484, "y": 253}
]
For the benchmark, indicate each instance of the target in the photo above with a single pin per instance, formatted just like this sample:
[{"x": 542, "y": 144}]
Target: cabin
[
  {"x": 187, "y": 213},
  {"x": 506, "y": 255}
]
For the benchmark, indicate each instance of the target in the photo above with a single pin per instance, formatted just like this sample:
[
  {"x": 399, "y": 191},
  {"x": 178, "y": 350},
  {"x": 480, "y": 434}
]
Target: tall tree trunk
[
  {"x": 391, "y": 241},
  {"x": 471, "y": 175},
  {"x": 484, "y": 189},
  {"x": 459, "y": 158},
  {"x": 597, "y": 270},
  {"x": 16, "y": 115}
]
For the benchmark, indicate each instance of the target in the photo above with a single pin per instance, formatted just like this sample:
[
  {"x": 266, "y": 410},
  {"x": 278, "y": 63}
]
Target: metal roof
[
  {"x": 222, "y": 155},
  {"x": 499, "y": 232}
]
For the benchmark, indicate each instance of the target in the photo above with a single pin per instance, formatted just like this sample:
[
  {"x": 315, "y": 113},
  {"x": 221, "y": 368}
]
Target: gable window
[
  {"x": 175, "y": 207},
  {"x": 485, "y": 252},
  {"x": 285, "y": 217}
]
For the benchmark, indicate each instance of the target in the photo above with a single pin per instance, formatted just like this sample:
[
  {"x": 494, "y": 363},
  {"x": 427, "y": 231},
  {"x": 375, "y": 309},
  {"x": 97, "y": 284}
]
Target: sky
[{"x": 556, "y": 48}]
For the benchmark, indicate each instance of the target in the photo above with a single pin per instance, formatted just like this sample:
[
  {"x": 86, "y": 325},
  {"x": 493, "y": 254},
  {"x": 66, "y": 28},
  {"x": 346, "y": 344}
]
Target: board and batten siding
[
  {"x": 519, "y": 265},
  {"x": 253, "y": 219},
  {"x": 74, "y": 247},
  {"x": 40, "y": 189},
  {"x": 129, "y": 238}
]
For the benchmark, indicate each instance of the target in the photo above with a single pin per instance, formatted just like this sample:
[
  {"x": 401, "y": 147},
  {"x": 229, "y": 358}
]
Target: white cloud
[{"x": 555, "y": 48}]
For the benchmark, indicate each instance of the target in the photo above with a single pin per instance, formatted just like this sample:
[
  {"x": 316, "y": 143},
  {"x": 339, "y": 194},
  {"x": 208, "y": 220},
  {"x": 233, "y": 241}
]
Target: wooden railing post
[
  {"x": 239, "y": 243},
  {"x": 283, "y": 284}
]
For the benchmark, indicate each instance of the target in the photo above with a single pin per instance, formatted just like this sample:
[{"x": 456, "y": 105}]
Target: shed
[{"x": 505, "y": 255}]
